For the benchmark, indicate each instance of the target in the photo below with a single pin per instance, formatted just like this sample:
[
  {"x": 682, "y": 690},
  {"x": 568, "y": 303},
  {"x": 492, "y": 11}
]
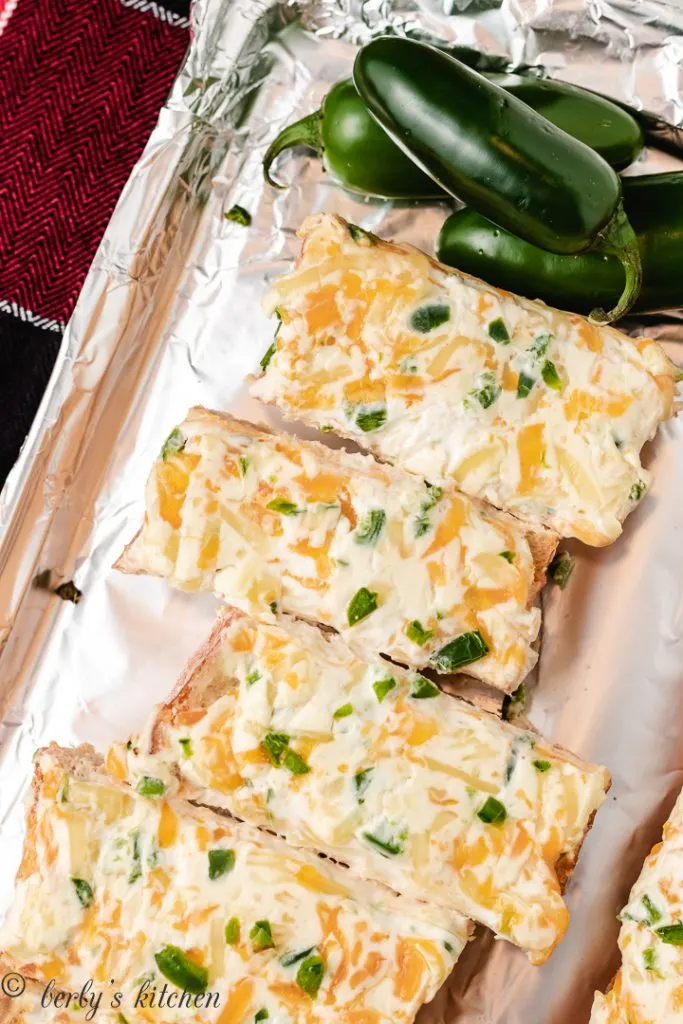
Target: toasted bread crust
[{"x": 196, "y": 685}]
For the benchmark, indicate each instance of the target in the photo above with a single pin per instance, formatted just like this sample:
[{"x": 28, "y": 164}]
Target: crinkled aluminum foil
[{"x": 170, "y": 316}]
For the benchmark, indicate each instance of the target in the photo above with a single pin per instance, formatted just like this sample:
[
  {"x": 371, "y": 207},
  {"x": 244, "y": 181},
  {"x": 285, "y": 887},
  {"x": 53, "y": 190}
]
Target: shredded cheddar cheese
[
  {"x": 648, "y": 988},
  {"x": 376, "y": 767},
  {"x": 272, "y": 522},
  {"x": 260, "y": 928},
  {"x": 535, "y": 410}
]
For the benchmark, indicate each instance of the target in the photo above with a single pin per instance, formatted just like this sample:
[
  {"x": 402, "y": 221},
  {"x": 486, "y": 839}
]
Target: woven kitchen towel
[{"x": 81, "y": 84}]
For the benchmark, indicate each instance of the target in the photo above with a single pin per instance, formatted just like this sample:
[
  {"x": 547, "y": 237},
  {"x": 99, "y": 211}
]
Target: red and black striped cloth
[{"x": 81, "y": 84}]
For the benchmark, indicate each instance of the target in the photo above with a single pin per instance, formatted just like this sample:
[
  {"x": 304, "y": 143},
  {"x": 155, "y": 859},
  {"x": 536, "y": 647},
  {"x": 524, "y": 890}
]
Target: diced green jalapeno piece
[
  {"x": 177, "y": 967},
  {"x": 362, "y": 604},
  {"x": 220, "y": 863},
  {"x": 540, "y": 345},
  {"x": 561, "y": 569},
  {"x": 649, "y": 959},
  {"x": 310, "y": 975},
  {"x": 174, "y": 443},
  {"x": 232, "y": 931},
  {"x": 284, "y": 507},
  {"x": 269, "y": 355},
  {"x": 294, "y": 957},
  {"x": 361, "y": 235},
  {"x": 654, "y": 914},
  {"x": 83, "y": 891},
  {"x": 423, "y": 689},
  {"x": 149, "y": 786},
  {"x": 423, "y": 522},
  {"x": 261, "y": 1015},
  {"x": 637, "y": 491},
  {"x": 671, "y": 934},
  {"x": 261, "y": 936},
  {"x": 253, "y": 677},
  {"x": 238, "y": 215},
  {"x": 245, "y": 462},
  {"x": 465, "y": 649},
  {"x": 389, "y": 847},
  {"x": 551, "y": 376},
  {"x": 383, "y": 686},
  {"x": 542, "y": 766},
  {"x": 186, "y": 746},
  {"x": 370, "y": 526},
  {"x": 371, "y": 419},
  {"x": 427, "y": 318},
  {"x": 509, "y": 556},
  {"x": 487, "y": 395},
  {"x": 136, "y": 865},
  {"x": 361, "y": 781},
  {"x": 497, "y": 331},
  {"x": 492, "y": 812},
  {"x": 344, "y": 711},
  {"x": 294, "y": 763},
  {"x": 416, "y": 632},
  {"x": 275, "y": 744},
  {"x": 524, "y": 385},
  {"x": 514, "y": 703}
]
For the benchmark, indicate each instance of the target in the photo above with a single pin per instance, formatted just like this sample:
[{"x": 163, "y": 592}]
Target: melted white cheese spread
[
  {"x": 648, "y": 988},
  {"x": 378, "y": 768},
  {"x": 276, "y": 523},
  {"x": 111, "y": 880},
  {"x": 538, "y": 411}
]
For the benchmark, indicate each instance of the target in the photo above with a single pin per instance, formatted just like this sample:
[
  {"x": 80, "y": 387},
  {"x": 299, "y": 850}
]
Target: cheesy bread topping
[
  {"x": 137, "y": 892},
  {"x": 373, "y": 765},
  {"x": 276, "y": 523},
  {"x": 538, "y": 411},
  {"x": 648, "y": 988}
]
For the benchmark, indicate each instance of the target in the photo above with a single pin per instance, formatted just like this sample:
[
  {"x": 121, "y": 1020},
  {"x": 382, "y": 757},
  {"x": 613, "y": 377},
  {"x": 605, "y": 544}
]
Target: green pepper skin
[
  {"x": 503, "y": 159},
  {"x": 590, "y": 118},
  {"x": 486, "y": 147},
  {"x": 362, "y": 158},
  {"x": 657, "y": 132},
  {"x": 654, "y": 205},
  {"x": 358, "y": 154}
]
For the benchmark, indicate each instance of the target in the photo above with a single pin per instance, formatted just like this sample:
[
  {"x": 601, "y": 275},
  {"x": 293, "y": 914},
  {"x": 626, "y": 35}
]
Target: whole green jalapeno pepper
[
  {"x": 362, "y": 158},
  {"x": 655, "y": 130},
  {"x": 358, "y": 154},
  {"x": 595, "y": 121},
  {"x": 489, "y": 149},
  {"x": 654, "y": 205}
]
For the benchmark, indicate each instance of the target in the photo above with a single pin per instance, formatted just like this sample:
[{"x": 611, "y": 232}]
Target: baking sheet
[{"x": 170, "y": 316}]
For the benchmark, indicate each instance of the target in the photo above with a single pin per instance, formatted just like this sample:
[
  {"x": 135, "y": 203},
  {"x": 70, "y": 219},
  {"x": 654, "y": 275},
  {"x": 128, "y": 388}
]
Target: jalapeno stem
[
  {"x": 620, "y": 240},
  {"x": 305, "y": 132}
]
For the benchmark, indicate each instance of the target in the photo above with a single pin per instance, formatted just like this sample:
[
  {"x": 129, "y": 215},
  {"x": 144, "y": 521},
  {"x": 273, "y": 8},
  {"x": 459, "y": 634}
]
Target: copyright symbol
[{"x": 13, "y": 985}]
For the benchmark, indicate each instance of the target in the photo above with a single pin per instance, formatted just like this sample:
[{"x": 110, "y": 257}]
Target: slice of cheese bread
[
  {"x": 648, "y": 988},
  {"x": 143, "y": 894},
  {"x": 538, "y": 411},
  {"x": 281, "y": 725},
  {"x": 274, "y": 522}
]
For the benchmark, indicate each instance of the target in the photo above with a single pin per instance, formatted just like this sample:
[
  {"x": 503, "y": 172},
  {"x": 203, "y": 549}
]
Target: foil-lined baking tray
[{"x": 170, "y": 316}]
